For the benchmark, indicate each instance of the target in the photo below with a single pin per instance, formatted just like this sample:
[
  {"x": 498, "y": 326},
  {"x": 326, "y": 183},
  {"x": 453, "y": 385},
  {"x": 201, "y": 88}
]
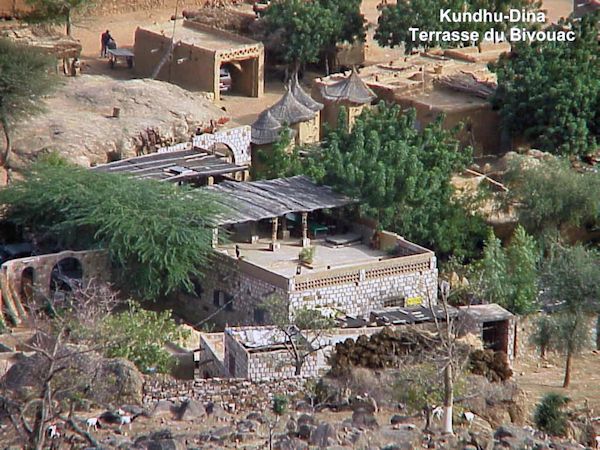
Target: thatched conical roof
[
  {"x": 349, "y": 89},
  {"x": 303, "y": 97},
  {"x": 266, "y": 129},
  {"x": 289, "y": 110}
]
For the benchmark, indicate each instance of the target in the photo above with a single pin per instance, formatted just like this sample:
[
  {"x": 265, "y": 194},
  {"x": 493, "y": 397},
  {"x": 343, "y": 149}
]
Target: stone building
[
  {"x": 194, "y": 57},
  {"x": 355, "y": 269},
  {"x": 347, "y": 91}
]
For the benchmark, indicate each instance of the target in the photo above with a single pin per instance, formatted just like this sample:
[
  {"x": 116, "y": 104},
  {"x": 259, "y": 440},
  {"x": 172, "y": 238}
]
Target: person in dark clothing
[{"x": 104, "y": 39}]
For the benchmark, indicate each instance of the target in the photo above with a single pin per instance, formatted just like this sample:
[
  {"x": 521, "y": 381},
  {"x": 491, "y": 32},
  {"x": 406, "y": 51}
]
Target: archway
[
  {"x": 220, "y": 149},
  {"x": 27, "y": 284},
  {"x": 65, "y": 277}
]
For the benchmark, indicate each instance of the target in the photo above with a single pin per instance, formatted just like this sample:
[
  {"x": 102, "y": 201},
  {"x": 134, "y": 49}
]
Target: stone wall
[
  {"x": 366, "y": 288},
  {"x": 243, "y": 394},
  {"x": 237, "y": 139},
  {"x": 236, "y": 358}
]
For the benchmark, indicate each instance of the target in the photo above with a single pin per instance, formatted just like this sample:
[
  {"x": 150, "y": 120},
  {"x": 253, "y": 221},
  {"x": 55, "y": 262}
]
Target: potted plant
[{"x": 307, "y": 255}]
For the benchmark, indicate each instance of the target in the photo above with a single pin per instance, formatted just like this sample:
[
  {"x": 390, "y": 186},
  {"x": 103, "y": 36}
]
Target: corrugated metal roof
[
  {"x": 257, "y": 200},
  {"x": 410, "y": 315},
  {"x": 172, "y": 166}
]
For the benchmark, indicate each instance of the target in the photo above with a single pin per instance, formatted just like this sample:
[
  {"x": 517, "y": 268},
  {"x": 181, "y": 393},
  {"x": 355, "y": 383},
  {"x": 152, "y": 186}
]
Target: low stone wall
[{"x": 243, "y": 394}]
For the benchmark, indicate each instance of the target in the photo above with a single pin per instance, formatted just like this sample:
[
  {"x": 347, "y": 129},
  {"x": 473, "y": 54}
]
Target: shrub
[
  {"x": 549, "y": 415},
  {"x": 280, "y": 404},
  {"x": 307, "y": 254}
]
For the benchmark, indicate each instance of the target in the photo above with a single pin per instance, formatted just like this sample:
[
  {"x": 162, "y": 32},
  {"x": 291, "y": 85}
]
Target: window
[
  {"x": 198, "y": 290},
  {"x": 259, "y": 316},
  {"x": 217, "y": 298},
  {"x": 393, "y": 301},
  {"x": 228, "y": 302}
]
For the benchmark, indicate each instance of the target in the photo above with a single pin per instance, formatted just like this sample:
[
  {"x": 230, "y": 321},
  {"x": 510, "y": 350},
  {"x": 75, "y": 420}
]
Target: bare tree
[
  {"x": 55, "y": 370},
  {"x": 302, "y": 333}
]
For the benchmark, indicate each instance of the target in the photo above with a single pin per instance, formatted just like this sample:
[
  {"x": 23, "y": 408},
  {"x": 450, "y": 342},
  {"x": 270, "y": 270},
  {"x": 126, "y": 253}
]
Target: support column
[
  {"x": 210, "y": 181},
  {"x": 253, "y": 233},
  {"x": 285, "y": 233},
  {"x": 305, "y": 239},
  {"x": 274, "y": 244},
  {"x": 215, "y": 237}
]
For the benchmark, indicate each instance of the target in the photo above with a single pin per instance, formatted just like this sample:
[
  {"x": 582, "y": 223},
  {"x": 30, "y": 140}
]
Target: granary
[
  {"x": 292, "y": 238},
  {"x": 195, "y": 55},
  {"x": 337, "y": 91},
  {"x": 296, "y": 110}
]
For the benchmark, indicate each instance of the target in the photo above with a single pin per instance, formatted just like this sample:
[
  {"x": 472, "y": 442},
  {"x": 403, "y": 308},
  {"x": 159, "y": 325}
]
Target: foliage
[
  {"x": 402, "y": 177},
  {"x": 282, "y": 160},
  {"x": 24, "y": 79},
  {"x": 140, "y": 335},
  {"x": 280, "y": 403},
  {"x": 509, "y": 277},
  {"x": 396, "y": 19},
  {"x": 571, "y": 279},
  {"x": 544, "y": 333},
  {"x": 302, "y": 29},
  {"x": 291, "y": 325},
  {"x": 55, "y": 11},
  {"x": 549, "y": 92},
  {"x": 307, "y": 254},
  {"x": 549, "y": 415},
  {"x": 306, "y": 29},
  {"x": 550, "y": 195},
  {"x": 157, "y": 233}
]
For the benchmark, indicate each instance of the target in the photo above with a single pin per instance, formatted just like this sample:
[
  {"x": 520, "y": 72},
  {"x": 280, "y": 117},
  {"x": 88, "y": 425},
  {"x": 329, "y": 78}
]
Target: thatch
[
  {"x": 350, "y": 89},
  {"x": 289, "y": 110},
  {"x": 266, "y": 130},
  {"x": 303, "y": 97}
]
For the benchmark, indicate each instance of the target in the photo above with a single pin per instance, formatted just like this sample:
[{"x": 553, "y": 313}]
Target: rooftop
[
  {"x": 201, "y": 36},
  {"x": 257, "y": 200},
  {"x": 487, "y": 313},
  {"x": 350, "y": 88},
  {"x": 172, "y": 166}
]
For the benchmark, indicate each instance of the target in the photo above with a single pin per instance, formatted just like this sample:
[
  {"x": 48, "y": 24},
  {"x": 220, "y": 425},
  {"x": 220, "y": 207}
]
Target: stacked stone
[{"x": 241, "y": 395}]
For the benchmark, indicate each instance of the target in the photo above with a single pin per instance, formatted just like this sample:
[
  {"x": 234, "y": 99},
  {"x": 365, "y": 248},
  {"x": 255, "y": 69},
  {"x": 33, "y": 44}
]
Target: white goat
[
  {"x": 437, "y": 413},
  {"x": 469, "y": 417},
  {"x": 92, "y": 422},
  {"x": 125, "y": 420},
  {"x": 53, "y": 432}
]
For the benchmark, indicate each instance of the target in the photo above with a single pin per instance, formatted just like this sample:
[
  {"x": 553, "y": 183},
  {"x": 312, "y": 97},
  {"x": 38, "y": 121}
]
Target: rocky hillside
[{"x": 78, "y": 124}]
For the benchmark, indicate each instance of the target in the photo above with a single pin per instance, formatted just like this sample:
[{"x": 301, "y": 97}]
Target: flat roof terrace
[
  {"x": 201, "y": 36},
  {"x": 285, "y": 260}
]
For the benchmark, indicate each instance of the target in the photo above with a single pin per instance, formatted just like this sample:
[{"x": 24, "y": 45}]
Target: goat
[
  {"x": 469, "y": 417},
  {"x": 437, "y": 413},
  {"x": 121, "y": 412},
  {"x": 52, "y": 432},
  {"x": 597, "y": 441},
  {"x": 92, "y": 422}
]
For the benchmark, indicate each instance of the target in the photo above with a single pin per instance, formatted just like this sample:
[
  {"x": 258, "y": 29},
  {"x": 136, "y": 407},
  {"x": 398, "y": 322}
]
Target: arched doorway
[
  {"x": 65, "y": 278},
  {"x": 222, "y": 150},
  {"x": 27, "y": 284}
]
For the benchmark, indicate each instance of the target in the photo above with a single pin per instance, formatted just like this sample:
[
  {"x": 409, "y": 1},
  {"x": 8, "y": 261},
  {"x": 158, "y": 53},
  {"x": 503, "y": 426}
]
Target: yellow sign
[{"x": 414, "y": 301}]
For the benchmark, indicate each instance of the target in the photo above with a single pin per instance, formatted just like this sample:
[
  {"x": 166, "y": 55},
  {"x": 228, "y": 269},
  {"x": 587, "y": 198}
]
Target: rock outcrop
[{"x": 78, "y": 121}]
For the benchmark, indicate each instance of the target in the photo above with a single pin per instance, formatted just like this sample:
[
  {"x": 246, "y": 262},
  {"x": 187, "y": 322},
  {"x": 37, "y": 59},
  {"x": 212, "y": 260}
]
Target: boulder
[
  {"x": 306, "y": 419},
  {"x": 191, "y": 410},
  {"x": 325, "y": 435},
  {"x": 398, "y": 418},
  {"x": 100, "y": 380},
  {"x": 305, "y": 431},
  {"x": 364, "y": 419},
  {"x": 289, "y": 443},
  {"x": 163, "y": 408}
]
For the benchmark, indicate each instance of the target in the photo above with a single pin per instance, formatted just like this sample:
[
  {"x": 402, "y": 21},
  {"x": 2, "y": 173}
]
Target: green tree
[
  {"x": 157, "y": 234},
  {"x": 549, "y": 92},
  {"x": 302, "y": 29},
  {"x": 571, "y": 278},
  {"x": 396, "y": 19},
  {"x": 523, "y": 257},
  {"x": 509, "y": 276},
  {"x": 544, "y": 334},
  {"x": 140, "y": 336},
  {"x": 550, "y": 196},
  {"x": 282, "y": 160},
  {"x": 56, "y": 11},
  {"x": 25, "y": 77},
  {"x": 402, "y": 177},
  {"x": 549, "y": 415}
]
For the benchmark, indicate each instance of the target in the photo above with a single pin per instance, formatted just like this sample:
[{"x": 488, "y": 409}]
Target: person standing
[{"x": 104, "y": 39}]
